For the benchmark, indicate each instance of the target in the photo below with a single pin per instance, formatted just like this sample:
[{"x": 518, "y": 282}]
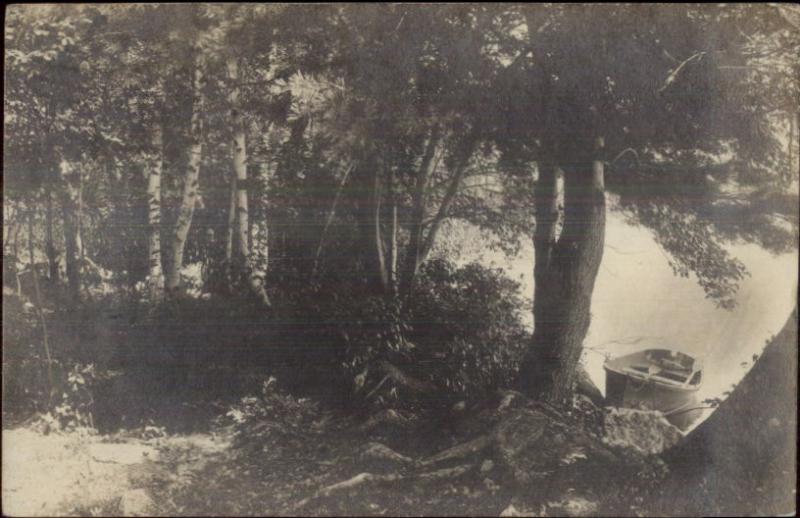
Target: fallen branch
[{"x": 674, "y": 74}]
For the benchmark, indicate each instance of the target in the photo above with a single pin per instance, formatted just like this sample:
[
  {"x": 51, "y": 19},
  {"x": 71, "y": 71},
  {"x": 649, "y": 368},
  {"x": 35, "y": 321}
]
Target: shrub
[
  {"x": 462, "y": 333},
  {"x": 25, "y": 385},
  {"x": 467, "y": 327}
]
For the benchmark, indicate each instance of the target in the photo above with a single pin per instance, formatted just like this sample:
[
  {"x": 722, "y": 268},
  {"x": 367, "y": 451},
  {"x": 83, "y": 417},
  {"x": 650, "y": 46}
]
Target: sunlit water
[{"x": 639, "y": 303}]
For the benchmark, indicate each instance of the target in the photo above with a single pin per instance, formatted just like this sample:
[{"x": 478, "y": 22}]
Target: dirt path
[{"x": 81, "y": 474}]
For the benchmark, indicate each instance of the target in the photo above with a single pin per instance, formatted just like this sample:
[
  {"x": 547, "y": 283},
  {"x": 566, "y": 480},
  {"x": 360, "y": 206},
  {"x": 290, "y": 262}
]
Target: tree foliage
[{"x": 368, "y": 128}]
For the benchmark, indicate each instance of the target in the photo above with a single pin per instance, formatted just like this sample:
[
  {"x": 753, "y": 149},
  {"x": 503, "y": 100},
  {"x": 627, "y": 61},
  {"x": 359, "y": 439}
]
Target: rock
[
  {"x": 642, "y": 431},
  {"x": 136, "y": 502},
  {"x": 589, "y": 415},
  {"x": 572, "y": 505},
  {"x": 487, "y": 466},
  {"x": 512, "y": 510}
]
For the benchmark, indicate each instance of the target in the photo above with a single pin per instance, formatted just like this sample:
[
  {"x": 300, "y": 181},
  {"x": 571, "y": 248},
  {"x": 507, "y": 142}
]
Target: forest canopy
[{"x": 309, "y": 160}]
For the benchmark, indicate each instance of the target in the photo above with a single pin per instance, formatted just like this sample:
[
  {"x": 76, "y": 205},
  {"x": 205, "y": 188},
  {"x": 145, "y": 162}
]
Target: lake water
[{"x": 639, "y": 303}]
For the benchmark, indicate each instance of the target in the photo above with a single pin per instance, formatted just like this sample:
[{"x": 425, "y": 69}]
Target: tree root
[
  {"x": 460, "y": 450},
  {"x": 389, "y": 416},
  {"x": 376, "y": 450},
  {"x": 401, "y": 378},
  {"x": 355, "y": 481},
  {"x": 365, "y": 478},
  {"x": 455, "y": 471}
]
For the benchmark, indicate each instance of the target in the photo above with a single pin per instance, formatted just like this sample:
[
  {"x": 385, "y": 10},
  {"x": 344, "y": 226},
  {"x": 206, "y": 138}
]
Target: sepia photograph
[{"x": 400, "y": 259}]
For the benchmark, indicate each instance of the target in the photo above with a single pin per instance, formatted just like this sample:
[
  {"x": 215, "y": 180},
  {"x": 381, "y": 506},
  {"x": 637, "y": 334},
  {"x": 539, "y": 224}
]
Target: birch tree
[
  {"x": 239, "y": 182},
  {"x": 191, "y": 180}
]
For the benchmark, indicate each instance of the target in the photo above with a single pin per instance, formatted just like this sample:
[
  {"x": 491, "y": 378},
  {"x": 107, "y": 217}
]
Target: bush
[
  {"x": 271, "y": 417},
  {"x": 467, "y": 327},
  {"x": 462, "y": 333},
  {"x": 25, "y": 380}
]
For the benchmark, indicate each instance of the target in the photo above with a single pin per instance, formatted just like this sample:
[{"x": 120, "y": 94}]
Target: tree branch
[
  {"x": 674, "y": 74},
  {"x": 449, "y": 196}
]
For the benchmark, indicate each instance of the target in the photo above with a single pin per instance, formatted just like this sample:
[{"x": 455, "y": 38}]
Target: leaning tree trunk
[
  {"x": 329, "y": 220},
  {"x": 415, "y": 240},
  {"x": 564, "y": 276},
  {"x": 255, "y": 284},
  {"x": 172, "y": 274},
  {"x": 741, "y": 461},
  {"x": 155, "y": 167},
  {"x": 447, "y": 201}
]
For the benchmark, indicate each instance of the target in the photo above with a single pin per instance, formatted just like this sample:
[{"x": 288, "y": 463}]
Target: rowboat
[{"x": 656, "y": 379}]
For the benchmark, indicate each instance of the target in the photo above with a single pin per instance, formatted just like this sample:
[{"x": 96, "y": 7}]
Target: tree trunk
[
  {"x": 17, "y": 259},
  {"x": 547, "y": 292},
  {"x": 380, "y": 252},
  {"x": 329, "y": 219},
  {"x": 564, "y": 276},
  {"x": 190, "y": 184},
  {"x": 230, "y": 233},
  {"x": 367, "y": 201},
  {"x": 447, "y": 201},
  {"x": 40, "y": 311},
  {"x": 52, "y": 251},
  {"x": 72, "y": 237},
  {"x": 392, "y": 252},
  {"x": 240, "y": 168},
  {"x": 415, "y": 244},
  {"x": 741, "y": 461},
  {"x": 79, "y": 215},
  {"x": 156, "y": 276}
]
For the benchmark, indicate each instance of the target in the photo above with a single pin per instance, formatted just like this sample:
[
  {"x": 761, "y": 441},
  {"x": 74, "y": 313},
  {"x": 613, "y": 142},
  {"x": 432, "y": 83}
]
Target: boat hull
[
  {"x": 628, "y": 387},
  {"x": 678, "y": 406}
]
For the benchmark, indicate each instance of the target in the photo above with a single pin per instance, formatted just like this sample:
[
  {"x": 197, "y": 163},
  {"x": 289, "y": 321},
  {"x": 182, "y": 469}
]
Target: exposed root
[
  {"x": 459, "y": 451},
  {"x": 359, "y": 479},
  {"x": 364, "y": 478},
  {"x": 388, "y": 416},
  {"x": 401, "y": 378},
  {"x": 376, "y": 450},
  {"x": 453, "y": 472}
]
